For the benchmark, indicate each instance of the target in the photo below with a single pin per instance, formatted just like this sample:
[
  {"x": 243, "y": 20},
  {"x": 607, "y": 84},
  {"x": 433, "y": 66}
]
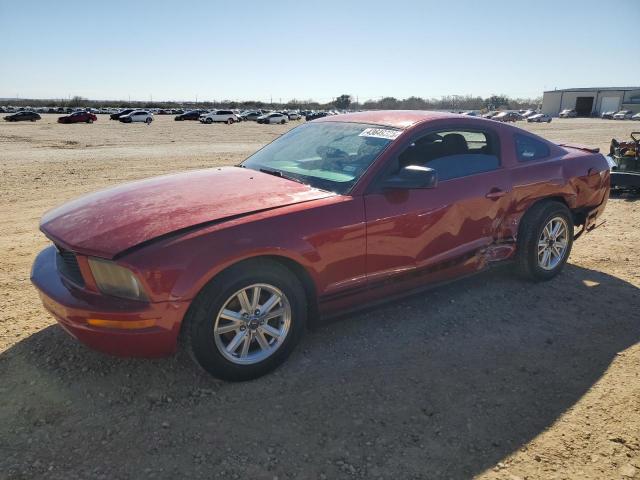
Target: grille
[{"x": 68, "y": 266}]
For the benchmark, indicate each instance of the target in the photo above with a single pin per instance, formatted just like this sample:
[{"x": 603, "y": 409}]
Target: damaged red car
[
  {"x": 339, "y": 213},
  {"x": 78, "y": 117}
]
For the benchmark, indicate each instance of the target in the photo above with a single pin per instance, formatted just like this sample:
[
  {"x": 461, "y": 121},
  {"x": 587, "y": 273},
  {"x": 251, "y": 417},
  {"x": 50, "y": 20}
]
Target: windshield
[{"x": 330, "y": 155}]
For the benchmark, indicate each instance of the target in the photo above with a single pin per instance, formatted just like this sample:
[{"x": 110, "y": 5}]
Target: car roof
[{"x": 401, "y": 119}]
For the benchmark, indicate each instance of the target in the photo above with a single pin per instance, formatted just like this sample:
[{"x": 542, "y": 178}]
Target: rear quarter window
[{"x": 529, "y": 149}]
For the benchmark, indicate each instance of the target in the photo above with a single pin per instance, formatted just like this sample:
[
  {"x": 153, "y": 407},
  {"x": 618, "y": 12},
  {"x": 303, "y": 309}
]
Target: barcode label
[{"x": 381, "y": 133}]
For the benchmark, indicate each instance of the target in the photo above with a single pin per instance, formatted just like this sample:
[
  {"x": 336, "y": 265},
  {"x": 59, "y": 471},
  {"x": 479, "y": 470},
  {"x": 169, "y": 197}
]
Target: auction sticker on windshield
[{"x": 381, "y": 133}]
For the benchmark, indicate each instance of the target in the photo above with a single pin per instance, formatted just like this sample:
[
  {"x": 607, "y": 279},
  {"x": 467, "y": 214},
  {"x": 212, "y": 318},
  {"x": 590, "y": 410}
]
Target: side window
[
  {"x": 528, "y": 149},
  {"x": 454, "y": 153}
]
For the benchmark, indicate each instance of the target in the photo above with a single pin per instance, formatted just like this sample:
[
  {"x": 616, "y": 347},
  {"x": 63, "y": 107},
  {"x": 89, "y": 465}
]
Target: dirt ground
[{"x": 491, "y": 377}]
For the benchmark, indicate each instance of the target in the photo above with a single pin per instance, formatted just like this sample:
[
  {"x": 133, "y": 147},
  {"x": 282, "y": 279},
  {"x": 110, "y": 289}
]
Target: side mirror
[{"x": 411, "y": 177}]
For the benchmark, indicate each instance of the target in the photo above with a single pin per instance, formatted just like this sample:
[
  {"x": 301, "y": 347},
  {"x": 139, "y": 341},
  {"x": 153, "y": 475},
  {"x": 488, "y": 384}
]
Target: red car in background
[
  {"x": 339, "y": 213},
  {"x": 78, "y": 117}
]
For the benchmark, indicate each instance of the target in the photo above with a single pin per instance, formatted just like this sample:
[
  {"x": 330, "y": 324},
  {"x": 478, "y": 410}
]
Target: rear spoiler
[{"x": 580, "y": 147}]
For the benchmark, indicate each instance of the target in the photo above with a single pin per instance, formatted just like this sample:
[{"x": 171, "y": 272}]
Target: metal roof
[{"x": 605, "y": 89}]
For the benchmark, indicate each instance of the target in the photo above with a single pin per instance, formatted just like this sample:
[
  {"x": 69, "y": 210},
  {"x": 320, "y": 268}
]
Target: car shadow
[{"x": 443, "y": 384}]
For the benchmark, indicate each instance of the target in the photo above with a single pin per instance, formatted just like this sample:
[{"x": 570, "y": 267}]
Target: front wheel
[
  {"x": 148, "y": 121},
  {"x": 545, "y": 238},
  {"x": 246, "y": 322},
  {"x": 229, "y": 121},
  {"x": 209, "y": 121}
]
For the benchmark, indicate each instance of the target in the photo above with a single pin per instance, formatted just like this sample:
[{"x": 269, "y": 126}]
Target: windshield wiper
[{"x": 278, "y": 173}]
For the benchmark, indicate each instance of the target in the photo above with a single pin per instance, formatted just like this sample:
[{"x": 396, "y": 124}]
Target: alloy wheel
[
  {"x": 552, "y": 244},
  {"x": 252, "y": 324}
]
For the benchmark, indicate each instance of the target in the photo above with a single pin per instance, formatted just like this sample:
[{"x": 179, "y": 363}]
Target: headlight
[{"x": 113, "y": 279}]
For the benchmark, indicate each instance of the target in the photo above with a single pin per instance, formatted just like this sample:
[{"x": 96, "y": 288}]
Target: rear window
[{"x": 528, "y": 148}]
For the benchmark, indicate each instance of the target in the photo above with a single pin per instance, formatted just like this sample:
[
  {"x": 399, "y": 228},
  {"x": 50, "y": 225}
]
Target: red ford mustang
[
  {"x": 78, "y": 117},
  {"x": 338, "y": 213}
]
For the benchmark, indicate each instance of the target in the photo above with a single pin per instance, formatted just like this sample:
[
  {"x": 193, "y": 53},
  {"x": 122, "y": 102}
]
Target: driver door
[{"x": 417, "y": 235}]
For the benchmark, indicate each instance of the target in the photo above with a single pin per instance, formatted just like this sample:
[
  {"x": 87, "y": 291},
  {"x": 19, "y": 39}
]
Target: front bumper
[{"x": 72, "y": 306}]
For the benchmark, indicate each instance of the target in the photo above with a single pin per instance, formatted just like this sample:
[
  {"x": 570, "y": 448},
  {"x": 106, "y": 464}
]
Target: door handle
[{"x": 495, "y": 194}]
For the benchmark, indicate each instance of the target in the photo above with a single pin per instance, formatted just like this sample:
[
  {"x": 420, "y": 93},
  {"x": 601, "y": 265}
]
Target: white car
[
  {"x": 225, "y": 116},
  {"x": 568, "y": 113},
  {"x": 294, "y": 115},
  {"x": 529, "y": 113},
  {"x": 273, "y": 118},
  {"x": 137, "y": 116},
  {"x": 636, "y": 117},
  {"x": 623, "y": 115},
  {"x": 539, "y": 118}
]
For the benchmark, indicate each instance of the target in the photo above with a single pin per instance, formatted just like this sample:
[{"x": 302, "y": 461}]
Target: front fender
[{"x": 321, "y": 238}]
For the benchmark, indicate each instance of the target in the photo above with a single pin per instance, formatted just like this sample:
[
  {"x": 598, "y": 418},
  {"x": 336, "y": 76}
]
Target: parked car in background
[
  {"x": 568, "y": 113},
  {"x": 491, "y": 114},
  {"x": 539, "y": 118},
  {"x": 294, "y": 115},
  {"x": 116, "y": 116},
  {"x": 315, "y": 115},
  {"x": 251, "y": 115},
  {"x": 78, "y": 117},
  {"x": 623, "y": 115},
  {"x": 224, "y": 116},
  {"x": 470, "y": 113},
  {"x": 335, "y": 214},
  {"x": 528, "y": 113},
  {"x": 507, "y": 117},
  {"x": 636, "y": 116},
  {"x": 137, "y": 116},
  {"x": 23, "y": 116},
  {"x": 190, "y": 115},
  {"x": 273, "y": 118},
  {"x": 608, "y": 115}
]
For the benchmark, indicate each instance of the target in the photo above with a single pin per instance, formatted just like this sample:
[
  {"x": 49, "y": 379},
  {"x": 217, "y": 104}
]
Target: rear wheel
[
  {"x": 545, "y": 238},
  {"x": 247, "y": 321}
]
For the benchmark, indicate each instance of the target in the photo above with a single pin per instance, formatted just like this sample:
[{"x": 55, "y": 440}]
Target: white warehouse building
[{"x": 589, "y": 102}]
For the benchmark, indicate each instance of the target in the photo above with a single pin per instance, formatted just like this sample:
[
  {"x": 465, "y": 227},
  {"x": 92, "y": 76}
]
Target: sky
[{"x": 284, "y": 50}]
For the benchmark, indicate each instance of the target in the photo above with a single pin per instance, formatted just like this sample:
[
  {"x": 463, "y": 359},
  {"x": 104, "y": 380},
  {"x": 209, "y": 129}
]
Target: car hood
[{"x": 111, "y": 221}]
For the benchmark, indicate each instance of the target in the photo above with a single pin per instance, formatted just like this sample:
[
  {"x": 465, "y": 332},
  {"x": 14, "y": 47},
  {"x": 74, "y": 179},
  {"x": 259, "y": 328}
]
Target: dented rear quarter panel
[{"x": 577, "y": 177}]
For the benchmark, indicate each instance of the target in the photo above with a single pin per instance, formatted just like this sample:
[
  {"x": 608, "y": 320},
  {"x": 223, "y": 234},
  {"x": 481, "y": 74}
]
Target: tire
[
  {"x": 208, "y": 121},
  {"x": 148, "y": 121},
  {"x": 229, "y": 121},
  {"x": 203, "y": 320},
  {"x": 530, "y": 254},
  {"x": 89, "y": 121},
  {"x": 282, "y": 122}
]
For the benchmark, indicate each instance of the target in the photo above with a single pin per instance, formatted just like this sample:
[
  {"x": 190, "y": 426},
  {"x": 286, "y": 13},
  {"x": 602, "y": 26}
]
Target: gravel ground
[{"x": 490, "y": 377}]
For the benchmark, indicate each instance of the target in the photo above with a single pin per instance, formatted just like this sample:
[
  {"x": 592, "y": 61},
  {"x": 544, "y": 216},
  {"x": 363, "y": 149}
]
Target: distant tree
[
  {"x": 497, "y": 101},
  {"x": 77, "y": 101},
  {"x": 389, "y": 103},
  {"x": 342, "y": 102}
]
